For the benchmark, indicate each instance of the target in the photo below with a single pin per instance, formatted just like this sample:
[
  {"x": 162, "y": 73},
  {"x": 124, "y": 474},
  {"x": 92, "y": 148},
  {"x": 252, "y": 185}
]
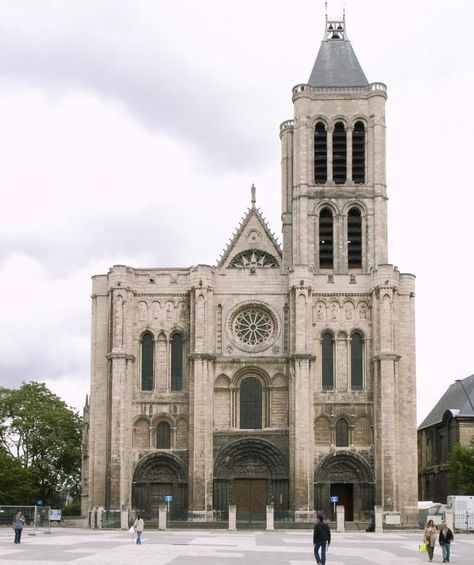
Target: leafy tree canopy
[
  {"x": 461, "y": 469},
  {"x": 40, "y": 440}
]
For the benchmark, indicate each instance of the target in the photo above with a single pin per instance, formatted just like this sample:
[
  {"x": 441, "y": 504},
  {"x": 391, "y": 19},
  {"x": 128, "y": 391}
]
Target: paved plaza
[{"x": 216, "y": 547}]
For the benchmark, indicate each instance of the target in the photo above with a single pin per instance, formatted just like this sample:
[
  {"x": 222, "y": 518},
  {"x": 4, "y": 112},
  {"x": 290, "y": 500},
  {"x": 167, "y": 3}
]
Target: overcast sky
[{"x": 128, "y": 127}]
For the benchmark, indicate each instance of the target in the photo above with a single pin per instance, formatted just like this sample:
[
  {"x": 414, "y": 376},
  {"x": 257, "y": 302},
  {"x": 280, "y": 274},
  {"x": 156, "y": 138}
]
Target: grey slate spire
[{"x": 336, "y": 63}]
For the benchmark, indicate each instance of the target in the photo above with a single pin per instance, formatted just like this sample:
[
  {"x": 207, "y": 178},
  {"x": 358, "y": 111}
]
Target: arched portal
[
  {"x": 251, "y": 473},
  {"x": 158, "y": 475},
  {"x": 349, "y": 477}
]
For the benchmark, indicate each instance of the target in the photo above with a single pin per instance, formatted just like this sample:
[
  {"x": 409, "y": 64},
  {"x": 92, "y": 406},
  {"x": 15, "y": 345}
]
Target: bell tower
[
  {"x": 352, "y": 330},
  {"x": 333, "y": 164}
]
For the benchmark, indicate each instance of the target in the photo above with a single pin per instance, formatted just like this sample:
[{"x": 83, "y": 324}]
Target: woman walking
[
  {"x": 429, "y": 537},
  {"x": 17, "y": 525},
  {"x": 139, "y": 526}
]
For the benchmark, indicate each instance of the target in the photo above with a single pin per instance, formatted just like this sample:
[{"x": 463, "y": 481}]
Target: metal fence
[
  {"x": 464, "y": 521},
  {"x": 36, "y": 518}
]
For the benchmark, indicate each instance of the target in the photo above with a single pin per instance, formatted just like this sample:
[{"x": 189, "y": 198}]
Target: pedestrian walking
[
  {"x": 445, "y": 539},
  {"x": 139, "y": 526},
  {"x": 17, "y": 525},
  {"x": 321, "y": 540},
  {"x": 429, "y": 537}
]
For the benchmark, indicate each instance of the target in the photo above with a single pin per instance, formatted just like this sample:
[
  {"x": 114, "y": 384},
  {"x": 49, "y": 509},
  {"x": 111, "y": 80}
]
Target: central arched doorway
[
  {"x": 348, "y": 477},
  {"x": 158, "y": 475},
  {"x": 251, "y": 473}
]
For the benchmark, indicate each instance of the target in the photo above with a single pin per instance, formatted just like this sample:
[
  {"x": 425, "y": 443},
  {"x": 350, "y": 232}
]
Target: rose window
[{"x": 253, "y": 326}]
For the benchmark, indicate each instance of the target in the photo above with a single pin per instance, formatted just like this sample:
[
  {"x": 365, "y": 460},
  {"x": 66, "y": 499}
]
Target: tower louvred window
[
  {"x": 358, "y": 153},
  {"x": 177, "y": 362},
  {"x": 250, "y": 404},
  {"x": 147, "y": 361},
  {"x": 320, "y": 154},
  {"x": 354, "y": 239},
  {"x": 339, "y": 153},
  {"x": 342, "y": 433},
  {"x": 356, "y": 361},
  {"x": 327, "y": 363},
  {"x": 326, "y": 239},
  {"x": 163, "y": 436}
]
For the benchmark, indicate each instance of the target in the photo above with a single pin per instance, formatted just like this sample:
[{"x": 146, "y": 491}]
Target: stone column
[
  {"x": 378, "y": 519},
  {"x": 162, "y": 517},
  {"x": 124, "y": 520},
  {"x": 232, "y": 517},
  {"x": 301, "y": 405},
  {"x": 340, "y": 515},
  {"x": 270, "y": 518}
]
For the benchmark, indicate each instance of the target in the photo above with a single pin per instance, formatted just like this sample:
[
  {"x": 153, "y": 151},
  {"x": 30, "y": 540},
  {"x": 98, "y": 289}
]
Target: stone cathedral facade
[{"x": 279, "y": 376}]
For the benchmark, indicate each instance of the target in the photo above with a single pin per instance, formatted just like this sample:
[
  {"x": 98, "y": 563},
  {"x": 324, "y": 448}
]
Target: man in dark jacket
[
  {"x": 445, "y": 539},
  {"x": 321, "y": 539}
]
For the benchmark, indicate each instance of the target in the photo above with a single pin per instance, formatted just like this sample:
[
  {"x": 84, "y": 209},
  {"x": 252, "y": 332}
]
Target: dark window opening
[
  {"x": 354, "y": 239},
  {"x": 320, "y": 154},
  {"x": 147, "y": 361},
  {"x": 342, "y": 433},
  {"x": 251, "y": 404},
  {"x": 326, "y": 239},
  {"x": 358, "y": 153},
  {"x": 177, "y": 362},
  {"x": 163, "y": 436},
  {"x": 356, "y": 361},
  {"x": 339, "y": 154},
  {"x": 327, "y": 362}
]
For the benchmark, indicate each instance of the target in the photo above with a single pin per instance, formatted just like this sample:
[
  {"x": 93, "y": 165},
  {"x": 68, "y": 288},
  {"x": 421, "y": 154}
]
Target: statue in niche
[
  {"x": 156, "y": 308},
  {"x": 349, "y": 310},
  {"x": 321, "y": 311},
  {"x": 334, "y": 311},
  {"x": 182, "y": 311},
  {"x": 169, "y": 310},
  {"x": 142, "y": 311},
  {"x": 363, "y": 311}
]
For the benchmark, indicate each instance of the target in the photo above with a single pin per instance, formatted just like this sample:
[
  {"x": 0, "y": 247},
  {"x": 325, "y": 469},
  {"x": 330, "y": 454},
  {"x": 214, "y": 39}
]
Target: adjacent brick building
[{"x": 280, "y": 375}]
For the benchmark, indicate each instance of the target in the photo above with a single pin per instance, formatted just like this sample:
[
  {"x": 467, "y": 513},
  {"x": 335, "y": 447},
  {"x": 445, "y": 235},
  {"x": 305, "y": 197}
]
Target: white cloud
[{"x": 127, "y": 128}]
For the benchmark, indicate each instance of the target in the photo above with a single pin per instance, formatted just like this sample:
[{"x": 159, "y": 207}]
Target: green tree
[
  {"x": 43, "y": 434},
  {"x": 461, "y": 469},
  {"x": 16, "y": 484}
]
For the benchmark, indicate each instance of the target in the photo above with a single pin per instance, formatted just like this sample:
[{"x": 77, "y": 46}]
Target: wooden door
[
  {"x": 346, "y": 498},
  {"x": 250, "y": 497}
]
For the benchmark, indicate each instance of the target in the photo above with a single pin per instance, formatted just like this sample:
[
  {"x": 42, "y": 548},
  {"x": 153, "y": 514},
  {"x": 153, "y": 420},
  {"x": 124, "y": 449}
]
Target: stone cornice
[
  {"x": 202, "y": 356},
  {"x": 386, "y": 357},
  {"x": 120, "y": 355}
]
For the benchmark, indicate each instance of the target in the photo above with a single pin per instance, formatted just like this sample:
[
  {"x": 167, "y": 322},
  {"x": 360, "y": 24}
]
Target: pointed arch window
[
  {"x": 327, "y": 361},
  {"x": 354, "y": 239},
  {"x": 177, "y": 362},
  {"x": 320, "y": 154},
  {"x": 342, "y": 433},
  {"x": 357, "y": 358},
  {"x": 251, "y": 404},
  {"x": 148, "y": 362},
  {"x": 339, "y": 153},
  {"x": 358, "y": 153},
  {"x": 163, "y": 436},
  {"x": 326, "y": 239}
]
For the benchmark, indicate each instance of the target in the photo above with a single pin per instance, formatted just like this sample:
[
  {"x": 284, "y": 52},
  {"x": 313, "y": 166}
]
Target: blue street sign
[
  {"x": 39, "y": 503},
  {"x": 334, "y": 499},
  {"x": 168, "y": 498}
]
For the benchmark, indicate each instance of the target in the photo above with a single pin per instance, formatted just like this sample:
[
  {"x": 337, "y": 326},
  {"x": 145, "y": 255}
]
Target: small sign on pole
[
  {"x": 168, "y": 498},
  {"x": 334, "y": 500}
]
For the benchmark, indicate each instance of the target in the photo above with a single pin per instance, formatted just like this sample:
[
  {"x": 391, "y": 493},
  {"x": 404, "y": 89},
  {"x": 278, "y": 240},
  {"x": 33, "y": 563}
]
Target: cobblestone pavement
[{"x": 219, "y": 547}]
